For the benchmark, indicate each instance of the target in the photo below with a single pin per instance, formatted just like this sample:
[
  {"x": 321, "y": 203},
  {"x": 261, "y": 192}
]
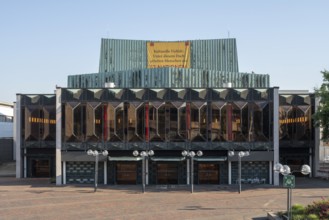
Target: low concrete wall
[{"x": 6, "y": 149}]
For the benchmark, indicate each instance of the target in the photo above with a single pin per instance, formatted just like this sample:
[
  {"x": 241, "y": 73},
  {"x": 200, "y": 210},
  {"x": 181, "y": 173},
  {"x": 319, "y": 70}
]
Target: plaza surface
[{"x": 39, "y": 199}]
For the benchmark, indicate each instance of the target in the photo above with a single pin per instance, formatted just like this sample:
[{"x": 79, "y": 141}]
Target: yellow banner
[{"x": 168, "y": 54}]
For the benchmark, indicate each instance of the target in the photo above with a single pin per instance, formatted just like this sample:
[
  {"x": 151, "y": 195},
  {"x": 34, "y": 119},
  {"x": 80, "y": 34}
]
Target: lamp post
[
  {"x": 191, "y": 155},
  {"x": 240, "y": 155},
  {"x": 289, "y": 180},
  {"x": 95, "y": 153},
  {"x": 143, "y": 154}
]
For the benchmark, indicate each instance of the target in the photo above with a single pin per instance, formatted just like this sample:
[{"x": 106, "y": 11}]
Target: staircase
[{"x": 323, "y": 170}]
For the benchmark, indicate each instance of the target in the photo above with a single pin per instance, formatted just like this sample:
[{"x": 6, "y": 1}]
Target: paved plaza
[{"x": 39, "y": 199}]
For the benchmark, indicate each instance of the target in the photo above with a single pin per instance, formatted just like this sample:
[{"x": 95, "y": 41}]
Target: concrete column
[
  {"x": 14, "y": 133},
  {"x": 25, "y": 164},
  {"x": 105, "y": 172},
  {"x": 229, "y": 172},
  {"x": 317, "y": 150},
  {"x": 276, "y": 132},
  {"x": 17, "y": 134},
  {"x": 187, "y": 172},
  {"x": 270, "y": 171},
  {"x": 311, "y": 160},
  {"x": 64, "y": 172},
  {"x": 58, "y": 137},
  {"x": 146, "y": 171}
]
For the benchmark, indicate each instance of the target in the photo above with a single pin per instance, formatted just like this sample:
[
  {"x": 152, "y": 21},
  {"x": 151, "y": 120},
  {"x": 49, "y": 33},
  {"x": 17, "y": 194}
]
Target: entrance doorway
[
  {"x": 40, "y": 168},
  {"x": 208, "y": 173},
  {"x": 126, "y": 173},
  {"x": 167, "y": 173}
]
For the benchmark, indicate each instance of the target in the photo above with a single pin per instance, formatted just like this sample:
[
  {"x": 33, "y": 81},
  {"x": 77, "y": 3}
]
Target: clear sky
[{"x": 44, "y": 41}]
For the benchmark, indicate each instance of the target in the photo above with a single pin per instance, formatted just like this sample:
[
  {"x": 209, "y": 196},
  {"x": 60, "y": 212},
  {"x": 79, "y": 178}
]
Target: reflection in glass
[
  {"x": 182, "y": 122},
  {"x": 215, "y": 123},
  {"x": 198, "y": 117},
  {"x": 39, "y": 123},
  {"x": 177, "y": 127},
  {"x": 236, "y": 121},
  {"x": 203, "y": 122},
  {"x": 295, "y": 123},
  {"x": 49, "y": 125},
  {"x": 284, "y": 119},
  {"x": 268, "y": 122},
  {"x": 79, "y": 120},
  {"x": 68, "y": 123},
  {"x": 175, "y": 121},
  {"x": 259, "y": 130},
  {"x": 119, "y": 122},
  {"x": 94, "y": 121},
  {"x": 135, "y": 122},
  {"x": 32, "y": 123}
]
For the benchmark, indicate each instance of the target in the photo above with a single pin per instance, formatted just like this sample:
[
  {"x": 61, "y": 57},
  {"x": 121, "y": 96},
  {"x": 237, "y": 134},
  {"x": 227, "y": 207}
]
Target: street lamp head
[
  {"x": 105, "y": 153},
  {"x": 278, "y": 167},
  {"x": 231, "y": 153},
  {"x": 285, "y": 170},
  {"x": 143, "y": 154},
  {"x": 95, "y": 153},
  {"x": 151, "y": 153},
  {"x": 246, "y": 153},
  {"x": 306, "y": 169},
  {"x": 241, "y": 154},
  {"x": 192, "y": 153},
  {"x": 184, "y": 153},
  {"x": 90, "y": 152},
  {"x": 199, "y": 153},
  {"x": 135, "y": 153}
]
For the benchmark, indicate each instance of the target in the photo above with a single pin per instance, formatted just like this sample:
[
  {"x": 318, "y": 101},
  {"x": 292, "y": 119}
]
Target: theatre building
[{"x": 168, "y": 98}]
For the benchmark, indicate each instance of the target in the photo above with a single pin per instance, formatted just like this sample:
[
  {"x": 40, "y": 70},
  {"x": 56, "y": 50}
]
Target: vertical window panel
[
  {"x": 135, "y": 122},
  {"x": 70, "y": 135},
  {"x": 49, "y": 123},
  {"x": 239, "y": 121},
  {"x": 94, "y": 122},
  {"x": 79, "y": 122},
  {"x": 119, "y": 122},
  {"x": 198, "y": 130},
  {"x": 32, "y": 123}
]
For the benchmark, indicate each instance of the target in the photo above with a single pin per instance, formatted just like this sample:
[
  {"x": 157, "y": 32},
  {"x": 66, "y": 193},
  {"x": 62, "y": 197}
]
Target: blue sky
[{"x": 44, "y": 41}]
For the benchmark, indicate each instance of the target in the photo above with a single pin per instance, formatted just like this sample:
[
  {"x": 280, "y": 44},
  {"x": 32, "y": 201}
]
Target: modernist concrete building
[
  {"x": 6, "y": 132},
  {"x": 167, "y": 97}
]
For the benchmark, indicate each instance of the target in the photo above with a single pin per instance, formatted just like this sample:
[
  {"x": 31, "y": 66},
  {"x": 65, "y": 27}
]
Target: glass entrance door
[
  {"x": 40, "y": 168},
  {"x": 167, "y": 173},
  {"x": 126, "y": 173},
  {"x": 208, "y": 173}
]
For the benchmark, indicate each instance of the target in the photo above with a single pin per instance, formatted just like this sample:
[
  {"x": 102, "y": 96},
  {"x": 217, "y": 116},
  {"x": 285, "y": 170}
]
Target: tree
[{"x": 321, "y": 116}]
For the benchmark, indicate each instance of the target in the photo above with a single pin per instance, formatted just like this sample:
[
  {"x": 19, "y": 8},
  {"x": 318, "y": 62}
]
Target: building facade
[
  {"x": 6, "y": 132},
  {"x": 167, "y": 97}
]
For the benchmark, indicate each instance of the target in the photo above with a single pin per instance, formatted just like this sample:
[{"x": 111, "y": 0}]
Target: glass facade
[
  {"x": 296, "y": 133},
  {"x": 38, "y": 134},
  {"x": 167, "y": 121},
  {"x": 182, "y": 115}
]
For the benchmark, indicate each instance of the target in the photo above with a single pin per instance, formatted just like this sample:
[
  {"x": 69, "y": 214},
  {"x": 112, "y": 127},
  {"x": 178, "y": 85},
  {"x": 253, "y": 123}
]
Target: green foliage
[
  {"x": 312, "y": 217},
  {"x": 321, "y": 116},
  {"x": 319, "y": 208},
  {"x": 298, "y": 217},
  {"x": 297, "y": 209}
]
